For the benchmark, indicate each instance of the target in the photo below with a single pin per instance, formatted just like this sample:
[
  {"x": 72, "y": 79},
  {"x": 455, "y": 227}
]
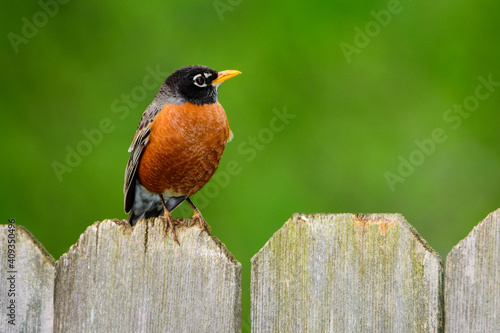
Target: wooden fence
[{"x": 318, "y": 273}]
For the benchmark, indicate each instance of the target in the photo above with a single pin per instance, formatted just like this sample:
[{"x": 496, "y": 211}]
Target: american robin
[{"x": 177, "y": 146}]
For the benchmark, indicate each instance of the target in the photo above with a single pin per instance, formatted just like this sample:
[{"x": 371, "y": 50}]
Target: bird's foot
[
  {"x": 169, "y": 220},
  {"x": 170, "y": 224},
  {"x": 200, "y": 221}
]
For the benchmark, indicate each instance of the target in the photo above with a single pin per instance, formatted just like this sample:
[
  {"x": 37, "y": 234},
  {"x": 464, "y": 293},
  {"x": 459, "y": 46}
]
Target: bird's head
[{"x": 195, "y": 84}]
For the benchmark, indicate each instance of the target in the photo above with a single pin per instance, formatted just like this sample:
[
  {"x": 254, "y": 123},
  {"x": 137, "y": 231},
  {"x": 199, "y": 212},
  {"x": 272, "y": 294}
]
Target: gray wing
[{"x": 136, "y": 149}]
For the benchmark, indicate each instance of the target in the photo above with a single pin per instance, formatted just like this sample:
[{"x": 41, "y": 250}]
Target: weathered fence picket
[
  {"x": 27, "y": 282},
  {"x": 472, "y": 285},
  {"x": 122, "y": 279},
  {"x": 346, "y": 273},
  {"x": 318, "y": 273}
]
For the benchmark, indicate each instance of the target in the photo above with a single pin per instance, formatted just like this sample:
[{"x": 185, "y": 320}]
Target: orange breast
[{"x": 184, "y": 149}]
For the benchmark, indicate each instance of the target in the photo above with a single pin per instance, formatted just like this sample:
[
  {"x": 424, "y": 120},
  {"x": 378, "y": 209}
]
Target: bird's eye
[{"x": 199, "y": 80}]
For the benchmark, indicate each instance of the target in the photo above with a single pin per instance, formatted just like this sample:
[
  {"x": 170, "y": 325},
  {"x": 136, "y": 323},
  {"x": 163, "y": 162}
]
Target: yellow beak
[{"x": 224, "y": 75}]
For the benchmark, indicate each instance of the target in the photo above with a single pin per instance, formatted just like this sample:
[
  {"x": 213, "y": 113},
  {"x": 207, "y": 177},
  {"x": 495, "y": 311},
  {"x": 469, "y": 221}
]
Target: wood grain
[
  {"x": 33, "y": 284},
  {"x": 472, "y": 292},
  {"x": 119, "y": 279},
  {"x": 347, "y": 273}
]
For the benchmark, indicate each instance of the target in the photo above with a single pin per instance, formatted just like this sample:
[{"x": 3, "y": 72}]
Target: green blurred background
[{"x": 356, "y": 115}]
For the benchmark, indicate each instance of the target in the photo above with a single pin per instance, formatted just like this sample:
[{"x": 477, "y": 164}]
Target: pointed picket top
[
  {"x": 347, "y": 273},
  {"x": 128, "y": 279},
  {"x": 472, "y": 292},
  {"x": 27, "y": 286}
]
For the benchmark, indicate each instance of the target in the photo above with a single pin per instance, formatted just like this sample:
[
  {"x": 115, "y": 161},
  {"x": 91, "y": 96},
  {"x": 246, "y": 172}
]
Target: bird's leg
[
  {"x": 197, "y": 218},
  {"x": 169, "y": 220}
]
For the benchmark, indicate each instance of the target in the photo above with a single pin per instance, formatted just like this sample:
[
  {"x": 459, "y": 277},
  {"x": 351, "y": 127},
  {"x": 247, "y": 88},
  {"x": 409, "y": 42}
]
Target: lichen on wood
[{"x": 347, "y": 273}]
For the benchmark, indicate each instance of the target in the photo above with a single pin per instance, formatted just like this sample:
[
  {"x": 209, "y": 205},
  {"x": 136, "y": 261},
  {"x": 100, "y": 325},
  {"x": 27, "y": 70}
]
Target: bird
[{"x": 177, "y": 146}]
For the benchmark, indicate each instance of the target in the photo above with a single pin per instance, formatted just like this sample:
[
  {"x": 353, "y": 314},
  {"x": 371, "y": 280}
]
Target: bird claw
[
  {"x": 200, "y": 221},
  {"x": 170, "y": 224},
  {"x": 169, "y": 220}
]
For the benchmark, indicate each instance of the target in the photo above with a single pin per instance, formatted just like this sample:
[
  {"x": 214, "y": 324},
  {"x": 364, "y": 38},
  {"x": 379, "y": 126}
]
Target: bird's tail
[
  {"x": 154, "y": 211},
  {"x": 133, "y": 218}
]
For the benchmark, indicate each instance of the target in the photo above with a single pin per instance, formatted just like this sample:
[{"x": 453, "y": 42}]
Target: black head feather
[{"x": 191, "y": 84}]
